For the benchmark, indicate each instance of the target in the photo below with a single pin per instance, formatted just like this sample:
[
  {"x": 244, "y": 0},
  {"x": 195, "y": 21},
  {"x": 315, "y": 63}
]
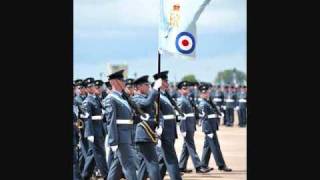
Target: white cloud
[
  {"x": 117, "y": 13},
  {"x": 104, "y": 34},
  {"x": 96, "y": 17},
  {"x": 222, "y": 20}
]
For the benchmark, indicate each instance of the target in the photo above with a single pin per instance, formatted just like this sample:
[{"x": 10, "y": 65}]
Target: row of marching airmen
[{"x": 128, "y": 130}]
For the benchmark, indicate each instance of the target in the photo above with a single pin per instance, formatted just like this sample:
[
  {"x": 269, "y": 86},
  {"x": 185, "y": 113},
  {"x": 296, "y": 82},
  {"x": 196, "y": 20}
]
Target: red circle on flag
[{"x": 185, "y": 42}]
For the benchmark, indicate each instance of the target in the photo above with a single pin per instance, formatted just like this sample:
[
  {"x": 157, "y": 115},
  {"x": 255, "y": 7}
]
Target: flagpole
[{"x": 158, "y": 100}]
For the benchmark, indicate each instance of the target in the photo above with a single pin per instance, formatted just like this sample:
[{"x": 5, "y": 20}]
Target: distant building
[{"x": 111, "y": 68}]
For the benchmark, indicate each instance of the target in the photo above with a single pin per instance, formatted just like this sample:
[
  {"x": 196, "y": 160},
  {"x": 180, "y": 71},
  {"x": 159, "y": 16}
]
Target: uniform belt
[
  {"x": 150, "y": 119},
  {"x": 242, "y": 100},
  {"x": 217, "y": 99},
  {"x": 189, "y": 115},
  {"x": 84, "y": 115},
  {"x": 97, "y": 118},
  {"x": 124, "y": 121},
  {"x": 169, "y": 117},
  {"x": 229, "y": 100},
  {"x": 212, "y": 116}
]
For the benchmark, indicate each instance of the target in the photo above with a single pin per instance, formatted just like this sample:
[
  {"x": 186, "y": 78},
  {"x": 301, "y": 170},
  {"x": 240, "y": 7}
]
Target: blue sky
[{"x": 126, "y": 31}]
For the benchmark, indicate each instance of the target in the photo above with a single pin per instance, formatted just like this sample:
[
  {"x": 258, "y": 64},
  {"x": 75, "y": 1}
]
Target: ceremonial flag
[{"x": 177, "y": 28}]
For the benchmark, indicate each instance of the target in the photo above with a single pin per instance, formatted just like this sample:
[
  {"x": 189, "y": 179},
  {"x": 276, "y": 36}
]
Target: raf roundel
[{"x": 185, "y": 43}]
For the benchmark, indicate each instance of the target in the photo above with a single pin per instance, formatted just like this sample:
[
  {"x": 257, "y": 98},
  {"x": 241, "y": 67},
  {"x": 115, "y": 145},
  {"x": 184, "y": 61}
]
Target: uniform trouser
[
  {"x": 142, "y": 170},
  {"x": 206, "y": 153},
  {"x": 110, "y": 158},
  {"x": 125, "y": 154},
  {"x": 224, "y": 118},
  {"x": 76, "y": 168},
  {"x": 161, "y": 163},
  {"x": 189, "y": 148},
  {"x": 115, "y": 171},
  {"x": 242, "y": 114},
  {"x": 83, "y": 152},
  {"x": 150, "y": 161},
  {"x": 137, "y": 157},
  {"x": 214, "y": 147},
  {"x": 95, "y": 157},
  {"x": 169, "y": 160},
  {"x": 221, "y": 110},
  {"x": 229, "y": 116}
]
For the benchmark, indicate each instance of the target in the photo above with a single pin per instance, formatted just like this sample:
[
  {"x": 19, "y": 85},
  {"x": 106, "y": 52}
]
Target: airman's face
[
  {"x": 91, "y": 89},
  {"x": 117, "y": 84},
  {"x": 98, "y": 90},
  {"x": 82, "y": 90},
  {"x": 165, "y": 84},
  {"x": 205, "y": 95},
  {"x": 129, "y": 90},
  {"x": 185, "y": 91},
  {"x": 143, "y": 88}
]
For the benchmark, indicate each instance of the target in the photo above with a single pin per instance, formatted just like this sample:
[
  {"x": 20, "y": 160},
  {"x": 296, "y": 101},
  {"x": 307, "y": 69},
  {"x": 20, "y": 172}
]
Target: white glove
[
  {"x": 159, "y": 143},
  {"x": 210, "y": 135},
  {"x": 224, "y": 107},
  {"x": 222, "y": 115},
  {"x": 157, "y": 84},
  {"x": 159, "y": 131},
  {"x": 237, "y": 108},
  {"x": 86, "y": 115},
  {"x": 91, "y": 138},
  {"x": 182, "y": 118},
  {"x": 184, "y": 134},
  {"x": 114, "y": 148}
]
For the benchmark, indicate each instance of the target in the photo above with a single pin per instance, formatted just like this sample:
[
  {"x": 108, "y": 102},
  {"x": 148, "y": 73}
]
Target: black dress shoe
[
  {"x": 185, "y": 170},
  {"x": 210, "y": 168},
  {"x": 225, "y": 168},
  {"x": 207, "y": 168},
  {"x": 202, "y": 170}
]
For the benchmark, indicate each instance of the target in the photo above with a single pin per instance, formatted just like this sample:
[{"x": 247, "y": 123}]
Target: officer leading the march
[
  {"x": 116, "y": 171},
  {"x": 119, "y": 114},
  {"x": 94, "y": 132}
]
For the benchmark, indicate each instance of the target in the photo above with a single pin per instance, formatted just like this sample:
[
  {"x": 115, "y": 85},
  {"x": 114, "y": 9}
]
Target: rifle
[
  {"x": 196, "y": 109},
  {"x": 138, "y": 110},
  {"x": 174, "y": 104},
  {"x": 214, "y": 106},
  {"x": 134, "y": 106}
]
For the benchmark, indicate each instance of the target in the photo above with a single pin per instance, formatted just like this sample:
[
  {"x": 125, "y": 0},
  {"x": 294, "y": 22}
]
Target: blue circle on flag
[{"x": 183, "y": 41}]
